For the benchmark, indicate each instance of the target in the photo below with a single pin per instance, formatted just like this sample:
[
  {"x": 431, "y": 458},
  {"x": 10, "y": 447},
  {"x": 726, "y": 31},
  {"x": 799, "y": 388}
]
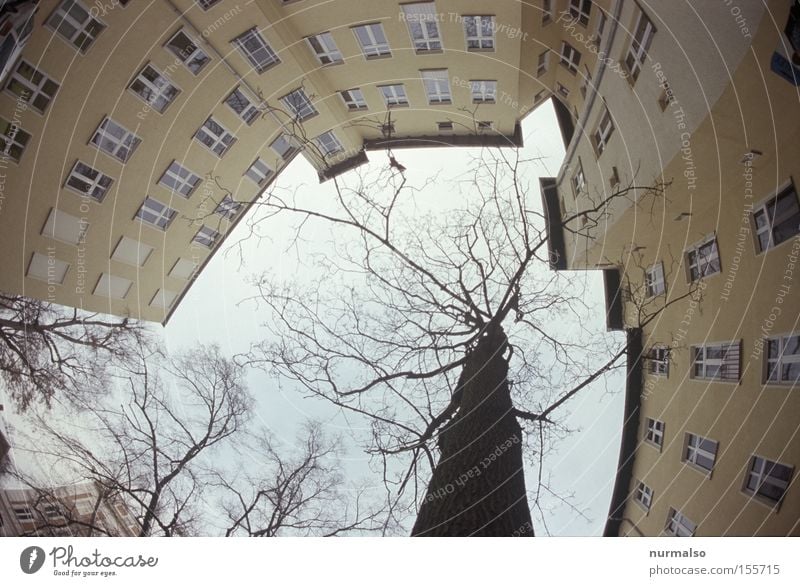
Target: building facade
[{"x": 688, "y": 145}]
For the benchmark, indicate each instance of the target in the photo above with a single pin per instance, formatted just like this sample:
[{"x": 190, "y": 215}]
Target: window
[
  {"x": 579, "y": 180},
  {"x": 65, "y": 227},
  {"x": 372, "y": 40},
  {"x": 33, "y": 86},
  {"x": 717, "y": 361},
  {"x": 155, "y": 213},
  {"x": 242, "y": 105},
  {"x": 179, "y": 179},
  {"x": 53, "y": 512},
  {"x": 325, "y": 48},
  {"x": 284, "y": 147},
  {"x": 703, "y": 259},
  {"x": 88, "y": 181},
  {"x": 163, "y": 299},
  {"x": 601, "y": 28},
  {"x": 23, "y": 513},
  {"x": 679, "y": 525},
  {"x": 299, "y": 105},
  {"x": 658, "y": 361},
  {"x": 483, "y": 91},
  {"x": 228, "y": 208},
  {"x": 183, "y": 268},
  {"x": 422, "y": 26},
  {"x": 47, "y": 268},
  {"x": 783, "y": 359},
  {"x": 640, "y": 44},
  {"x": 206, "y": 237},
  {"x": 570, "y": 58},
  {"x": 562, "y": 90},
  {"x": 394, "y": 95},
  {"x": 328, "y": 143},
  {"x": 259, "y": 172},
  {"x": 603, "y": 133},
  {"x": 353, "y": 99},
  {"x": 479, "y": 31},
  {"x": 437, "y": 86},
  {"x": 654, "y": 280},
  {"x": 112, "y": 286},
  {"x": 215, "y": 137},
  {"x": 445, "y": 126},
  {"x": 655, "y": 432},
  {"x": 72, "y": 21},
  {"x": 206, "y": 4},
  {"x": 767, "y": 479},
  {"x": 777, "y": 220},
  {"x": 580, "y": 10},
  {"x": 154, "y": 88},
  {"x": 541, "y": 66},
  {"x": 13, "y": 139},
  {"x": 188, "y": 52},
  {"x": 256, "y": 50},
  {"x": 700, "y": 451},
  {"x": 132, "y": 252},
  {"x": 547, "y": 11},
  {"x": 116, "y": 140},
  {"x": 643, "y": 495},
  {"x": 485, "y": 125}
]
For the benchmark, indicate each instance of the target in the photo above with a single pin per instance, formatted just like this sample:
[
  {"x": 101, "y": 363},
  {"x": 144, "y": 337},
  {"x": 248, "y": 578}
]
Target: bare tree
[
  {"x": 46, "y": 348},
  {"x": 151, "y": 449},
  {"x": 300, "y": 493},
  {"x": 443, "y": 331}
]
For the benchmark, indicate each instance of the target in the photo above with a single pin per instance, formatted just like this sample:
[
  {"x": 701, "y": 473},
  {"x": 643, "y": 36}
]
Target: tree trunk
[{"x": 478, "y": 486}]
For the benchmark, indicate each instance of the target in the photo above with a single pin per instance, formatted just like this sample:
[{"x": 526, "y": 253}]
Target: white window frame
[
  {"x": 122, "y": 147},
  {"x": 757, "y": 470},
  {"x": 394, "y": 95},
  {"x": 261, "y": 58},
  {"x": 776, "y": 364},
  {"x": 250, "y": 112},
  {"x": 643, "y": 495},
  {"x": 602, "y": 20},
  {"x": 184, "y": 179},
  {"x": 328, "y": 143},
  {"x": 437, "y": 86},
  {"x": 23, "y": 513},
  {"x": 96, "y": 190},
  {"x": 692, "y": 451},
  {"x": 654, "y": 282},
  {"x": 206, "y": 4},
  {"x": 326, "y": 51},
  {"x": 290, "y": 150},
  {"x": 658, "y": 361},
  {"x": 259, "y": 172},
  {"x": 570, "y": 58},
  {"x": 207, "y": 237},
  {"x": 160, "y": 90},
  {"x": 542, "y": 62},
  {"x": 579, "y": 180},
  {"x": 702, "y": 259},
  {"x": 225, "y": 140},
  {"x": 418, "y": 17},
  {"x": 485, "y": 43},
  {"x": 547, "y": 12},
  {"x": 654, "y": 432},
  {"x": 34, "y": 89},
  {"x": 228, "y": 208},
  {"x": 155, "y": 213},
  {"x": 562, "y": 90},
  {"x": 10, "y": 139},
  {"x": 768, "y": 227},
  {"x": 581, "y": 10},
  {"x": 679, "y": 525},
  {"x": 61, "y": 14},
  {"x": 725, "y": 368},
  {"x": 484, "y": 91},
  {"x": 603, "y": 132},
  {"x": 186, "y": 59},
  {"x": 299, "y": 104},
  {"x": 356, "y": 101},
  {"x": 372, "y": 47},
  {"x": 636, "y": 55}
]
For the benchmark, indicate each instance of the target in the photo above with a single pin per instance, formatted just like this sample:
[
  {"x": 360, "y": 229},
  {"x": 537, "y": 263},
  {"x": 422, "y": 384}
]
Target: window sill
[
  {"x": 699, "y": 469},
  {"x": 762, "y": 501}
]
